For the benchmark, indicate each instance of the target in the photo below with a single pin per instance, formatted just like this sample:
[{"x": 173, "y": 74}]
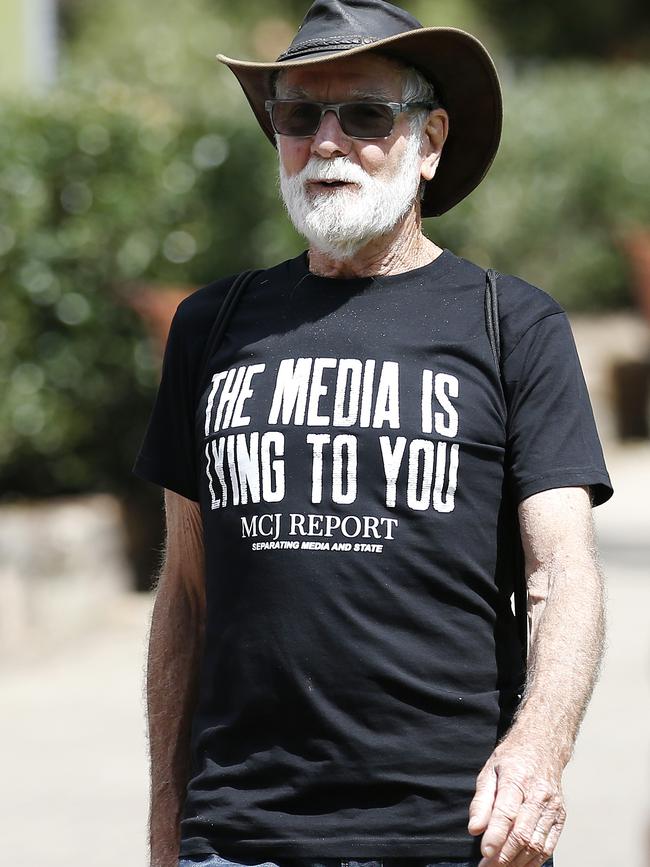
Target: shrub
[{"x": 106, "y": 185}]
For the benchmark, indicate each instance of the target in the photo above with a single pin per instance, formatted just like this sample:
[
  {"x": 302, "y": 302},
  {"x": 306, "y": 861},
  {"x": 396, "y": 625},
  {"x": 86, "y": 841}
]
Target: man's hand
[{"x": 519, "y": 804}]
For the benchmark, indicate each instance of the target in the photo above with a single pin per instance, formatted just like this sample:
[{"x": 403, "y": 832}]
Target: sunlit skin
[{"x": 405, "y": 247}]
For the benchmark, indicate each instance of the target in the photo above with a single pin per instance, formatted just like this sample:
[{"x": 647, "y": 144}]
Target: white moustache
[{"x": 333, "y": 170}]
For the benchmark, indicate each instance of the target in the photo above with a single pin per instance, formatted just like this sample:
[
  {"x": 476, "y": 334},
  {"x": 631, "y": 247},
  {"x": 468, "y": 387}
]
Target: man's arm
[
  {"x": 519, "y": 802},
  {"x": 175, "y": 644}
]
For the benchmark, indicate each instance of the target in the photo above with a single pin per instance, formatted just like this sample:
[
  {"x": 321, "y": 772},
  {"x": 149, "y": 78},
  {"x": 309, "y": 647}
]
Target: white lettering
[
  {"x": 349, "y": 443},
  {"x": 392, "y": 462},
  {"x": 317, "y": 441},
  {"x": 291, "y": 389},
  {"x": 348, "y": 384},
  {"x": 317, "y": 391},
  {"x": 387, "y": 402},
  {"x": 444, "y": 381},
  {"x": 246, "y": 391}
]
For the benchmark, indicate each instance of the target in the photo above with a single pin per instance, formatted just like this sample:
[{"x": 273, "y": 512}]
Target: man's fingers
[
  {"x": 510, "y": 796},
  {"x": 549, "y": 842},
  {"x": 531, "y": 848},
  {"x": 537, "y": 813},
  {"x": 536, "y": 856},
  {"x": 480, "y": 807},
  {"x": 554, "y": 836},
  {"x": 545, "y": 836}
]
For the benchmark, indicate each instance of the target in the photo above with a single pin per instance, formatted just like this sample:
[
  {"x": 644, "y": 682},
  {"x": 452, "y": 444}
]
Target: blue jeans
[{"x": 218, "y": 861}]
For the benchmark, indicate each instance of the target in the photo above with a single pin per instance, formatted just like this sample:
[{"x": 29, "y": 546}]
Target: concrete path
[
  {"x": 73, "y": 760},
  {"x": 73, "y": 785}
]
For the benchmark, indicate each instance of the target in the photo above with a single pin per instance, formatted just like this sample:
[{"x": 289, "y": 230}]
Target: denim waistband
[{"x": 420, "y": 861}]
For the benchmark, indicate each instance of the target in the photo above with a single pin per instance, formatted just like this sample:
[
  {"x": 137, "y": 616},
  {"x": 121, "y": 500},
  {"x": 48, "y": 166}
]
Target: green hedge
[
  {"x": 96, "y": 194},
  {"x": 571, "y": 177},
  {"x": 105, "y": 186}
]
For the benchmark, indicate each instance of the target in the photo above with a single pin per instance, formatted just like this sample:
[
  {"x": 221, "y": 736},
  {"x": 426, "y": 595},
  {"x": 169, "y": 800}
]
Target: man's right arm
[{"x": 175, "y": 645}]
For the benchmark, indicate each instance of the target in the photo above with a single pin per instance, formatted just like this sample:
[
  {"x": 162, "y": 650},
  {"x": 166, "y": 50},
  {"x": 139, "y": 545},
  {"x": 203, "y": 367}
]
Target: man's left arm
[{"x": 519, "y": 803}]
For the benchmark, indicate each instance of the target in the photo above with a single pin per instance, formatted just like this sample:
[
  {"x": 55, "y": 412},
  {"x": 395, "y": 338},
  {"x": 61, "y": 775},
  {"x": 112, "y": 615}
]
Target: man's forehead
[{"x": 373, "y": 77}]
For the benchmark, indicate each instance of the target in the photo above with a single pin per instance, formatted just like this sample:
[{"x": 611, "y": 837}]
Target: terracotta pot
[
  {"x": 637, "y": 247},
  {"x": 155, "y": 304}
]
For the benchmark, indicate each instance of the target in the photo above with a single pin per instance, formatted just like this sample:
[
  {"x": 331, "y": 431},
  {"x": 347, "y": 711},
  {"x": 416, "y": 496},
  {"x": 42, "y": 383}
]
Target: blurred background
[{"x": 132, "y": 172}]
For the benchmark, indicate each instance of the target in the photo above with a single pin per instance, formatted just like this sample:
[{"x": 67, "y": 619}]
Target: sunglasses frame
[{"x": 396, "y": 107}]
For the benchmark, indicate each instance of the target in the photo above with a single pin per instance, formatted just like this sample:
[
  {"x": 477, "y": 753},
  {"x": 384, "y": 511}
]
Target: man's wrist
[{"x": 535, "y": 729}]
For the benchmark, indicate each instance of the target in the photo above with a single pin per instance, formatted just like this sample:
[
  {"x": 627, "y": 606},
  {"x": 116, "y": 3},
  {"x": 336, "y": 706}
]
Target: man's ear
[{"x": 436, "y": 131}]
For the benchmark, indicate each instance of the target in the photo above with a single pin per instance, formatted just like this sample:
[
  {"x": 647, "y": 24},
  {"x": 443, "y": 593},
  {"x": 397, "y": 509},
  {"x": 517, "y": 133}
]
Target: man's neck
[{"x": 406, "y": 248}]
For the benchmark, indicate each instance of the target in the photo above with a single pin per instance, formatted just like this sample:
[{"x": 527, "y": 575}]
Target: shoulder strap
[
  {"x": 220, "y": 323},
  {"x": 492, "y": 314},
  {"x": 520, "y": 589}
]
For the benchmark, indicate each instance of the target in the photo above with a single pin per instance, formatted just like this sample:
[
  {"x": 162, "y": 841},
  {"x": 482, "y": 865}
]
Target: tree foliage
[
  {"x": 606, "y": 30},
  {"x": 146, "y": 164}
]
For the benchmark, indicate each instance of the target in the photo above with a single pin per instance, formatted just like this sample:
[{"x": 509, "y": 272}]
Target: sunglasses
[{"x": 301, "y": 118}]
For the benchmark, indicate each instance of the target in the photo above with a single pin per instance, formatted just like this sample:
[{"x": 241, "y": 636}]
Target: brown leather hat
[{"x": 459, "y": 67}]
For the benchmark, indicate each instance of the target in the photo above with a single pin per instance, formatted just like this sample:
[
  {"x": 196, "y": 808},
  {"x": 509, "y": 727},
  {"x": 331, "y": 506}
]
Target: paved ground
[{"x": 73, "y": 749}]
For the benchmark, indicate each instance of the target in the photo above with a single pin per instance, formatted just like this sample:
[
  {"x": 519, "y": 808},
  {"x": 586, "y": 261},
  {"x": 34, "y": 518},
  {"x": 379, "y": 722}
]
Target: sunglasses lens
[
  {"x": 358, "y": 119},
  {"x": 366, "y": 119},
  {"x": 296, "y": 118}
]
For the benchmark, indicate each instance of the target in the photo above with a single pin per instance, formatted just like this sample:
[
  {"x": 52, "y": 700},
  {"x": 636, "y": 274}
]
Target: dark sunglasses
[{"x": 301, "y": 118}]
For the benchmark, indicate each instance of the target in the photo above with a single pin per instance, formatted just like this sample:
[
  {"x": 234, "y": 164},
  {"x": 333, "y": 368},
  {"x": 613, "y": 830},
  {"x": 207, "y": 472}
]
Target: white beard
[{"x": 343, "y": 220}]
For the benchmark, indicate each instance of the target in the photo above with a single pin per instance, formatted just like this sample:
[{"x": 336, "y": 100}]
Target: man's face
[{"x": 382, "y": 175}]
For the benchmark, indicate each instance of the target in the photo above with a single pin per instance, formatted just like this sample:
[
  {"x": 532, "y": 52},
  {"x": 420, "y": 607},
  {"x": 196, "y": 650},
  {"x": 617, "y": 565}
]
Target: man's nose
[{"x": 329, "y": 138}]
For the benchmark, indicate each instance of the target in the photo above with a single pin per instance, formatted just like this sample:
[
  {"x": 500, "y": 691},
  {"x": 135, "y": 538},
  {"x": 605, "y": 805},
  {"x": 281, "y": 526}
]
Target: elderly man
[{"x": 335, "y": 670}]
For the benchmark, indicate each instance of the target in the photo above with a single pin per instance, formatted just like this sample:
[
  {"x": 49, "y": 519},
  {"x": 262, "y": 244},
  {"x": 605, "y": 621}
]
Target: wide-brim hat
[{"x": 458, "y": 65}]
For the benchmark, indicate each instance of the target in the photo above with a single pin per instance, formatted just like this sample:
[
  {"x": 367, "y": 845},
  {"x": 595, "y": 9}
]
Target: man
[{"x": 335, "y": 671}]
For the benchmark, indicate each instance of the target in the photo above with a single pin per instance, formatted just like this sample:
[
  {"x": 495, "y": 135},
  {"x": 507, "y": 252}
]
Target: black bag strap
[
  {"x": 218, "y": 328},
  {"x": 492, "y": 314},
  {"x": 520, "y": 589}
]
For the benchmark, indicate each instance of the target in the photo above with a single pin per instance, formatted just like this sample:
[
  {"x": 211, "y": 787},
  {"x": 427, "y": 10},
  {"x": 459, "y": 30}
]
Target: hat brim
[{"x": 466, "y": 81}]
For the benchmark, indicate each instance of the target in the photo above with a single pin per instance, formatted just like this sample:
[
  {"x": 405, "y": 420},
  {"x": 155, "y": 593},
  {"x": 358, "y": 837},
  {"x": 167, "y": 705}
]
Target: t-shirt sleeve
[
  {"x": 552, "y": 440},
  {"x": 167, "y": 454}
]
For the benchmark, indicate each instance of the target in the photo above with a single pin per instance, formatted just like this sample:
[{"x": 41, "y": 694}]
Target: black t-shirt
[{"x": 352, "y": 448}]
